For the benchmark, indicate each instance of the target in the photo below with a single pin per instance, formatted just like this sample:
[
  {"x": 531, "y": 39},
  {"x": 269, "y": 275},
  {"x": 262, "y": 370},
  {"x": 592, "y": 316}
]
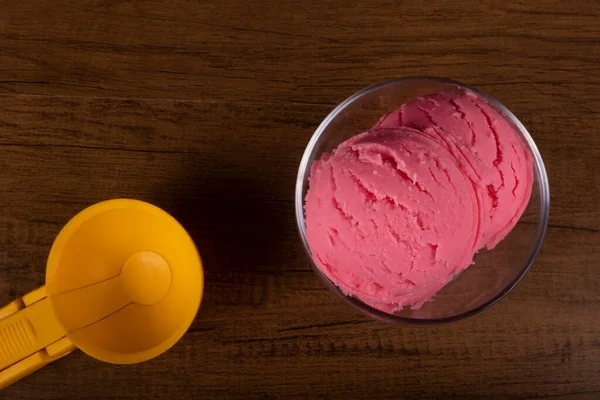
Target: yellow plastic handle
[{"x": 30, "y": 336}]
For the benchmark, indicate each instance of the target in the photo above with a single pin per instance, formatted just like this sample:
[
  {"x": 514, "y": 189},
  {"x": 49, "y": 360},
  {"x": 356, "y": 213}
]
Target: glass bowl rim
[{"x": 544, "y": 190}]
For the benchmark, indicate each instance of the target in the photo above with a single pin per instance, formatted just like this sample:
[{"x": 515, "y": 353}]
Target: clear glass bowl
[{"x": 496, "y": 272}]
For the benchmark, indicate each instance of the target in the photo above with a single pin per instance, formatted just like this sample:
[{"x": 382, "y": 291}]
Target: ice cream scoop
[
  {"x": 390, "y": 217},
  {"x": 123, "y": 283},
  {"x": 487, "y": 150}
]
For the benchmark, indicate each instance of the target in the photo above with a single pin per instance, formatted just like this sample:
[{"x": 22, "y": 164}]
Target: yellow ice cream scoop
[{"x": 123, "y": 283}]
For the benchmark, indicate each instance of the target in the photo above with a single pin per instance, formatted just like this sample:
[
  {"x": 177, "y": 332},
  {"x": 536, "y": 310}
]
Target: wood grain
[{"x": 204, "y": 108}]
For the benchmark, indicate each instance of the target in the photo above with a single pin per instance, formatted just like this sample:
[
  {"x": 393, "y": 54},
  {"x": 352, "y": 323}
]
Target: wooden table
[{"x": 204, "y": 108}]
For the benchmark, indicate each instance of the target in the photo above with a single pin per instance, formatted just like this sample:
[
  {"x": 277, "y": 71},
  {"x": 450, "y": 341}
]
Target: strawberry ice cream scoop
[
  {"x": 487, "y": 149},
  {"x": 391, "y": 217}
]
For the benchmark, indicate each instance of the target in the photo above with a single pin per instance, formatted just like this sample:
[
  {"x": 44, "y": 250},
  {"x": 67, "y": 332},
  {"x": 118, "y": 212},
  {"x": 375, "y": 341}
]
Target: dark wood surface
[{"x": 204, "y": 108}]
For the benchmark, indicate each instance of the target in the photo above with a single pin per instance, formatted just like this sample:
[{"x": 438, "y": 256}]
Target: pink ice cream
[
  {"x": 486, "y": 148},
  {"x": 394, "y": 213}
]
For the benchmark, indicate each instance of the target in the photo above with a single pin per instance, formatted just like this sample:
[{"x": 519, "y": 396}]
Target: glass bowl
[{"x": 495, "y": 272}]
